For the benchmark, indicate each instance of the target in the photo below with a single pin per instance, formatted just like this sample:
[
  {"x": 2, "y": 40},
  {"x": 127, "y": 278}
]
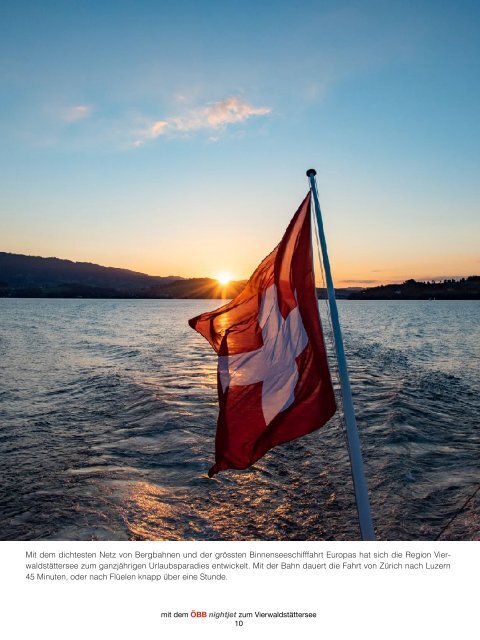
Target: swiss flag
[{"x": 274, "y": 384}]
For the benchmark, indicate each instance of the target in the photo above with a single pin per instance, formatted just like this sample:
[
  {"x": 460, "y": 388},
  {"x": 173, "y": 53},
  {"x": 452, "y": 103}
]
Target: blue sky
[{"x": 173, "y": 137}]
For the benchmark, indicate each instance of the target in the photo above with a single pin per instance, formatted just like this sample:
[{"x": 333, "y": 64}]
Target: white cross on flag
[{"x": 273, "y": 379}]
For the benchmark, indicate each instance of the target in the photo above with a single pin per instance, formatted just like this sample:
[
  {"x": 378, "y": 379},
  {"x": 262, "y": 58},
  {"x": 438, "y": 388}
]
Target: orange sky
[
  {"x": 351, "y": 265},
  {"x": 169, "y": 166}
]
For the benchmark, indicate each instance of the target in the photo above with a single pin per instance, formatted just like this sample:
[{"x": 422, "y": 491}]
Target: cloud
[
  {"x": 216, "y": 115},
  {"x": 158, "y": 128},
  {"x": 77, "y": 112},
  {"x": 358, "y": 281}
]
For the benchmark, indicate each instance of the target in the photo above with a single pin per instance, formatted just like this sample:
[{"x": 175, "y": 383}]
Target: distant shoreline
[
  {"x": 356, "y": 297},
  {"x": 228, "y": 299},
  {"x": 207, "y": 289},
  {"x": 24, "y": 276}
]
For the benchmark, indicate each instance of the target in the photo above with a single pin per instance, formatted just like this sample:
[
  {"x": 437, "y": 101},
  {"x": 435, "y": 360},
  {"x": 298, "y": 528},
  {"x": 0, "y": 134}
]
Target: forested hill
[
  {"x": 18, "y": 271},
  {"x": 463, "y": 289},
  {"x": 34, "y": 277}
]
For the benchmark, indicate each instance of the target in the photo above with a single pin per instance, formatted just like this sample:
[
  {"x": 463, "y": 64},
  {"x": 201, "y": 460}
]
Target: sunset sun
[{"x": 224, "y": 278}]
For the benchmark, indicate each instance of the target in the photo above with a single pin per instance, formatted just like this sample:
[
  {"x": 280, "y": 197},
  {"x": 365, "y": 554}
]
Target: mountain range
[
  {"x": 33, "y": 276},
  {"x": 23, "y": 276}
]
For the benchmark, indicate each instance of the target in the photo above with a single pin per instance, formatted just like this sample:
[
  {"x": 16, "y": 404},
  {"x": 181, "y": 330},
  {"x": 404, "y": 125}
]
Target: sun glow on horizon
[{"x": 224, "y": 278}]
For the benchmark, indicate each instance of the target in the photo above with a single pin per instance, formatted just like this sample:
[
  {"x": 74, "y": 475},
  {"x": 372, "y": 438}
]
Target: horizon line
[{"x": 348, "y": 283}]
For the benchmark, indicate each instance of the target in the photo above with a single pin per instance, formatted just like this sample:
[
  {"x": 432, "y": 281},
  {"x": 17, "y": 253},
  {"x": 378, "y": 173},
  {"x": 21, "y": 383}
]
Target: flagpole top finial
[{"x": 311, "y": 172}]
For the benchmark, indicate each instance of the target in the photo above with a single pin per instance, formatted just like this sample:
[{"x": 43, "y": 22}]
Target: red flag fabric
[{"x": 274, "y": 384}]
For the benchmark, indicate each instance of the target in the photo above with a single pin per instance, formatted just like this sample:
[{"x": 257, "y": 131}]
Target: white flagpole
[{"x": 355, "y": 453}]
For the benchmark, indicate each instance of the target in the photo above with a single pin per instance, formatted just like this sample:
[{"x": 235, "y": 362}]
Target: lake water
[{"x": 108, "y": 414}]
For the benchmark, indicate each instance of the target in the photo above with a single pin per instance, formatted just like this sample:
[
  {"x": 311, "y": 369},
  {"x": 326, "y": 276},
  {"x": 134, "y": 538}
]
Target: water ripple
[{"x": 107, "y": 422}]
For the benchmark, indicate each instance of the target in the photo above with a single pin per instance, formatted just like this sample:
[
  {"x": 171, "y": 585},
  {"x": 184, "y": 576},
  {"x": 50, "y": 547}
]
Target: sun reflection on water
[
  {"x": 148, "y": 515},
  {"x": 154, "y": 513}
]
